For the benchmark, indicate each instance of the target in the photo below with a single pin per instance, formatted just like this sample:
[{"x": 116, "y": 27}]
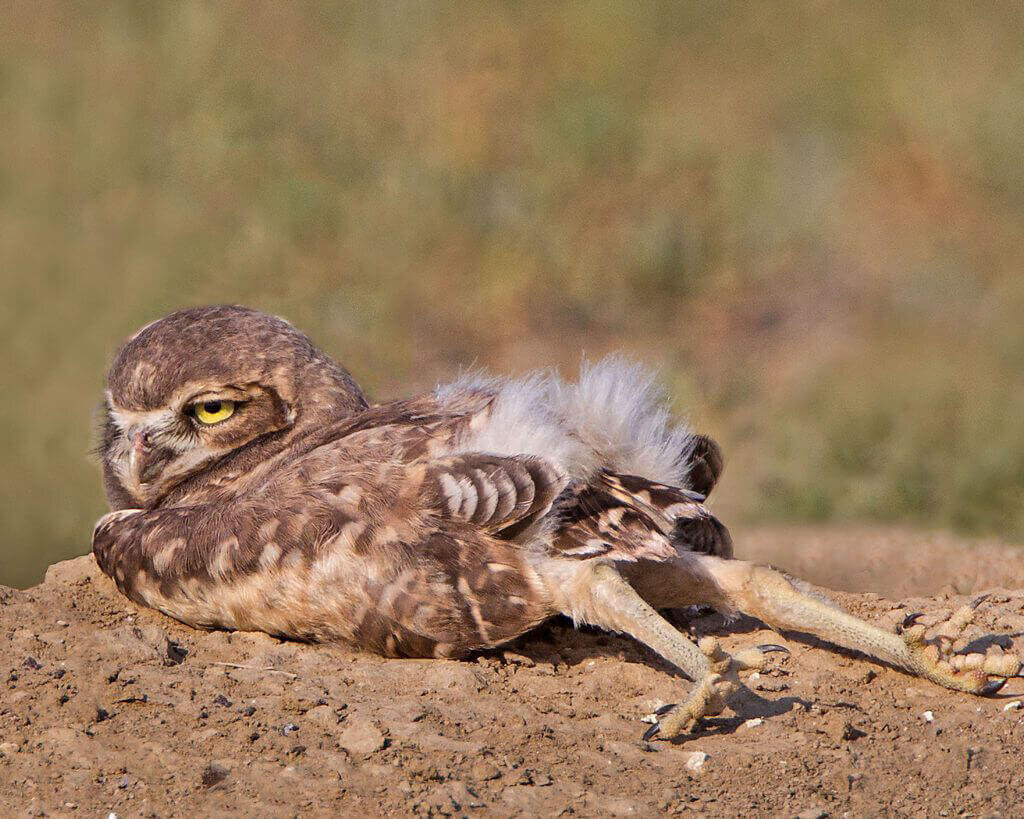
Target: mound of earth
[{"x": 110, "y": 708}]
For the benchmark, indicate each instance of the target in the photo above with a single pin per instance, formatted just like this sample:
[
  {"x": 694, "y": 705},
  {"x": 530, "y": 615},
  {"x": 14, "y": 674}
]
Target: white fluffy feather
[
  {"x": 522, "y": 421},
  {"x": 619, "y": 410},
  {"x": 615, "y": 416}
]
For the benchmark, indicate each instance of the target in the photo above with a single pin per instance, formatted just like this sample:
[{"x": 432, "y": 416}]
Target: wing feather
[
  {"x": 625, "y": 517},
  {"x": 499, "y": 494}
]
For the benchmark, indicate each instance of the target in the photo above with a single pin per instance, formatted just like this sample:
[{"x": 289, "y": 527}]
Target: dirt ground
[{"x": 108, "y": 708}]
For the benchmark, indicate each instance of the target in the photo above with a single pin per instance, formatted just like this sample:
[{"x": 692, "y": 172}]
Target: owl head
[{"x": 206, "y": 385}]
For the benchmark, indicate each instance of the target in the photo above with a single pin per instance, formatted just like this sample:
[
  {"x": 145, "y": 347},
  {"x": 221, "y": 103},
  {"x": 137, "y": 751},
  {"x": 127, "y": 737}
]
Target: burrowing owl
[{"x": 255, "y": 488}]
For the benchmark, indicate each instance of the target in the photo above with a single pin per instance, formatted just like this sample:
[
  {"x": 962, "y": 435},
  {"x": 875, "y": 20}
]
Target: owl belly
[{"x": 436, "y": 600}]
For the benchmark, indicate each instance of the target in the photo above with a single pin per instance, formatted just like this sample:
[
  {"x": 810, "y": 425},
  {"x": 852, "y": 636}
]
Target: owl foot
[
  {"x": 934, "y": 658},
  {"x": 711, "y": 694}
]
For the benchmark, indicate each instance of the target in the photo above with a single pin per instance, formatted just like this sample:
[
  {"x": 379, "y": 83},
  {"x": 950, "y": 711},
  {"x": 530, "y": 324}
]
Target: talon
[
  {"x": 910, "y": 620},
  {"x": 651, "y": 732},
  {"x": 708, "y": 698},
  {"x": 977, "y": 673},
  {"x": 767, "y": 648},
  {"x": 694, "y": 496},
  {"x": 981, "y": 598},
  {"x": 991, "y": 687},
  {"x": 660, "y": 712}
]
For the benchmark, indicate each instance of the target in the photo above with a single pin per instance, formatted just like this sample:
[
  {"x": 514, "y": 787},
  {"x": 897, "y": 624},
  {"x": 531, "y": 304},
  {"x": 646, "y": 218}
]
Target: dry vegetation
[{"x": 810, "y": 215}]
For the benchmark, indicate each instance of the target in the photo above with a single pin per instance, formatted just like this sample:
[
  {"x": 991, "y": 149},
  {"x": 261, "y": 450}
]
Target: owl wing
[
  {"x": 502, "y": 495},
  {"x": 706, "y": 464},
  {"x": 625, "y": 517}
]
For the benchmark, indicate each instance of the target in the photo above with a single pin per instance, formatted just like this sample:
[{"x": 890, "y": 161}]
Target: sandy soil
[{"x": 108, "y": 708}]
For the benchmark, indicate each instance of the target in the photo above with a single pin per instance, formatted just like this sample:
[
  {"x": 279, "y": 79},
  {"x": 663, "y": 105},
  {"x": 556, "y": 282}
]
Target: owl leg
[
  {"x": 783, "y": 603},
  {"x": 601, "y": 597}
]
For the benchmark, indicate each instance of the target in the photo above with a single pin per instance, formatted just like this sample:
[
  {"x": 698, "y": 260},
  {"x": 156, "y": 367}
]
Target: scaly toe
[
  {"x": 750, "y": 659},
  {"x": 1002, "y": 665},
  {"x": 706, "y": 699}
]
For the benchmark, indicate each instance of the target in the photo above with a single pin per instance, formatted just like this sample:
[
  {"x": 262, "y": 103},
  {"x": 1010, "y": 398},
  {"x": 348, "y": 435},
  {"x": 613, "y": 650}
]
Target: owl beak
[
  {"x": 141, "y": 441},
  {"x": 147, "y": 461}
]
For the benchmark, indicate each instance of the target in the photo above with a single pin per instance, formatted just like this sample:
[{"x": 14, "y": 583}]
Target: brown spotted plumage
[{"x": 254, "y": 487}]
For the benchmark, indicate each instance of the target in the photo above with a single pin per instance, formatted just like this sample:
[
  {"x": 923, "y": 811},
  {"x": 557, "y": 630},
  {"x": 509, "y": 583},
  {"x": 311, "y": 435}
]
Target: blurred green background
[{"x": 810, "y": 215}]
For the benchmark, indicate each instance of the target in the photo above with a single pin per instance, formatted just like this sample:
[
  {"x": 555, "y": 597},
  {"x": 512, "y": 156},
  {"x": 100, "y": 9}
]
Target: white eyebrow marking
[{"x": 125, "y": 419}]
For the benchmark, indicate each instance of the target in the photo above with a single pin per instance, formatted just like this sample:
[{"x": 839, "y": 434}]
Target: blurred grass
[{"x": 809, "y": 214}]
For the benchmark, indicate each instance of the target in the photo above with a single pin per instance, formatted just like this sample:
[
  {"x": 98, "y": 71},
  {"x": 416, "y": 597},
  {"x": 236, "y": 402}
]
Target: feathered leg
[{"x": 597, "y": 594}]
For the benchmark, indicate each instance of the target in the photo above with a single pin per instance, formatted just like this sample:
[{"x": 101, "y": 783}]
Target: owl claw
[
  {"x": 992, "y": 687},
  {"x": 707, "y": 699},
  {"x": 935, "y": 659},
  {"x": 711, "y": 694},
  {"x": 910, "y": 620}
]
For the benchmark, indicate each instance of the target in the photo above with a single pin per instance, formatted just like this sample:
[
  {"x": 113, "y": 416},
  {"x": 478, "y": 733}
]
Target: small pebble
[
  {"x": 753, "y": 723},
  {"x": 1016, "y": 705},
  {"x": 289, "y": 728},
  {"x": 517, "y": 659},
  {"x": 696, "y": 761},
  {"x": 928, "y": 716},
  {"x": 484, "y": 771}
]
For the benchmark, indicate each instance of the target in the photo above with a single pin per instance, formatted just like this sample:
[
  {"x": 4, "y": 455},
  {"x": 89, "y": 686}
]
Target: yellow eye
[{"x": 213, "y": 412}]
